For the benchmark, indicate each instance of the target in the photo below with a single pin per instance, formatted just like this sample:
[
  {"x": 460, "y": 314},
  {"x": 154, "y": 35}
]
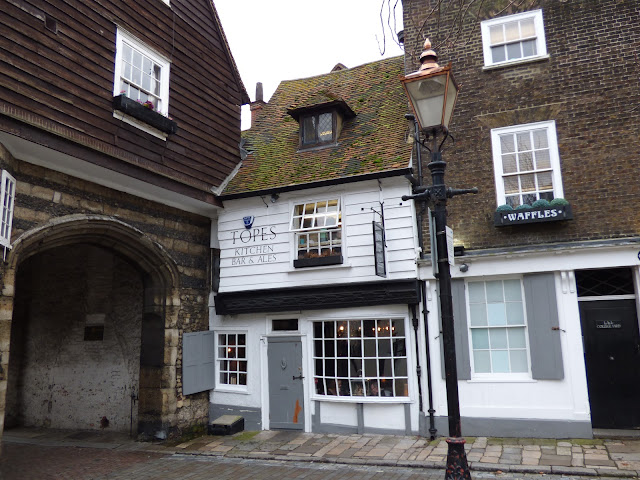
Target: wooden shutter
[
  {"x": 198, "y": 362},
  {"x": 461, "y": 331},
  {"x": 542, "y": 318}
]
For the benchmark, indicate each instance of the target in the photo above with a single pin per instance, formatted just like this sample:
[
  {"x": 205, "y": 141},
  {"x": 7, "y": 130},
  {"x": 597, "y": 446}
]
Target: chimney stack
[{"x": 258, "y": 104}]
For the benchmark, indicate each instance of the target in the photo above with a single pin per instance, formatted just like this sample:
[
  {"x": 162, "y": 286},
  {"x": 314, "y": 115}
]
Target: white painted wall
[
  {"x": 565, "y": 399},
  {"x": 270, "y": 262}
]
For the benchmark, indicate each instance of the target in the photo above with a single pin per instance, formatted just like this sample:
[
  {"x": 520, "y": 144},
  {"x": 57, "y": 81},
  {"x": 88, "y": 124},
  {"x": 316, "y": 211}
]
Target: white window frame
[
  {"x": 219, "y": 385},
  {"x": 497, "y": 376},
  {"x": 541, "y": 43},
  {"x": 8, "y": 195},
  {"x": 365, "y": 381},
  {"x": 122, "y": 37},
  {"x": 554, "y": 157},
  {"x": 302, "y": 230}
]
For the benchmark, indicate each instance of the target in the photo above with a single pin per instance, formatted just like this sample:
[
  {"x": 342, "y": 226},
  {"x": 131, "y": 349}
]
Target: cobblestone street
[
  {"x": 58, "y": 454},
  {"x": 33, "y": 462}
]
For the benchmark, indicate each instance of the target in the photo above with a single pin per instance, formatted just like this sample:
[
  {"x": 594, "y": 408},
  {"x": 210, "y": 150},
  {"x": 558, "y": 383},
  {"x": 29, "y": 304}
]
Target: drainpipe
[
  {"x": 425, "y": 313},
  {"x": 414, "y": 319}
]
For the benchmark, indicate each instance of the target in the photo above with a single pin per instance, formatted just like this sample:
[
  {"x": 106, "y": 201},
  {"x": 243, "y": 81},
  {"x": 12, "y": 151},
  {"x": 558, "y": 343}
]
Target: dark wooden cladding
[{"x": 64, "y": 80}]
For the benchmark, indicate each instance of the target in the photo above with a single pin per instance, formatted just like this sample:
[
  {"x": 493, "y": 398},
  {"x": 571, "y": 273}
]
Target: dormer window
[
  {"x": 318, "y": 129},
  {"x": 321, "y": 123}
]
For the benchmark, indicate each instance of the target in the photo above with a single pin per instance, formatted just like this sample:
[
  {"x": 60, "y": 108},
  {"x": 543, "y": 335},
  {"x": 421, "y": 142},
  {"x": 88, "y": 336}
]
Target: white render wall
[
  {"x": 383, "y": 413},
  {"x": 266, "y": 260},
  {"x": 566, "y": 399}
]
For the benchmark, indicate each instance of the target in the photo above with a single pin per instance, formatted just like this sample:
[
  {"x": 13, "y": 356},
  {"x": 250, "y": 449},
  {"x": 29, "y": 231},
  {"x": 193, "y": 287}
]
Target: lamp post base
[{"x": 457, "y": 468}]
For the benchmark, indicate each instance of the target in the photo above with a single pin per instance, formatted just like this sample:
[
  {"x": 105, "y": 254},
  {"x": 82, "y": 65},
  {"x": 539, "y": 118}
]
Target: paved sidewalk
[{"x": 608, "y": 458}]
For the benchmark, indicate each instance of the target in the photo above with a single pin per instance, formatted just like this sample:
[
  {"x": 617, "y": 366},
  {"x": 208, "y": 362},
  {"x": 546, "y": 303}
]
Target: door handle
[{"x": 299, "y": 377}]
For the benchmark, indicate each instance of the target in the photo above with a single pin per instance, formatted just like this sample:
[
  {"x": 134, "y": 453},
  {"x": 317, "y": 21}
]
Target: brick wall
[{"x": 590, "y": 86}]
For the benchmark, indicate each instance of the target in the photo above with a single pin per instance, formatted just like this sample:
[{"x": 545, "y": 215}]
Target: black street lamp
[{"x": 432, "y": 92}]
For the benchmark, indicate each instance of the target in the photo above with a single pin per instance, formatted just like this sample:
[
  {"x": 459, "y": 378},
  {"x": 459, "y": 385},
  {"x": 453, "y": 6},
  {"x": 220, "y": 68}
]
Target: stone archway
[{"x": 160, "y": 304}]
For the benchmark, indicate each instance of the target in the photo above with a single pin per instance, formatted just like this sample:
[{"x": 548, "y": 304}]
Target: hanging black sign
[{"x": 378, "y": 249}]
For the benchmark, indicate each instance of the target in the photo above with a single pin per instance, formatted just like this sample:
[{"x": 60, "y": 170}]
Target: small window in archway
[{"x": 94, "y": 327}]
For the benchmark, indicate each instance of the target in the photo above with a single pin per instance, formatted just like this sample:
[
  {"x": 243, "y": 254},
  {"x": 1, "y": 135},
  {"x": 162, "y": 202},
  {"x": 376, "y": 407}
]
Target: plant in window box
[
  {"x": 315, "y": 259},
  {"x": 145, "y": 113},
  {"x": 540, "y": 211}
]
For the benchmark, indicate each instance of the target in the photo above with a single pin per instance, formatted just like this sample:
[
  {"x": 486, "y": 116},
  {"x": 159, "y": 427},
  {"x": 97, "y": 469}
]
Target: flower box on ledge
[
  {"x": 317, "y": 261},
  {"x": 144, "y": 114},
  {"x": 553, "y": 213}
]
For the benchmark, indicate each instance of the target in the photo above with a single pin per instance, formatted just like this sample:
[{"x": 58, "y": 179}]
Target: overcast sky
[{"x": 275, "y": 40}]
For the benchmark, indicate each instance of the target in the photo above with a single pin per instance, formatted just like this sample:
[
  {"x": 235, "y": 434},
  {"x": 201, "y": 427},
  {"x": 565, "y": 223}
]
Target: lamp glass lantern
[{"x": 432, "y": 94}]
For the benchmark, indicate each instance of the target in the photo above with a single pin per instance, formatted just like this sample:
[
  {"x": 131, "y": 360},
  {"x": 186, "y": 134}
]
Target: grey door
[
  {"x": 285, "y": 383},
  {"x": 612, "y": 357}
]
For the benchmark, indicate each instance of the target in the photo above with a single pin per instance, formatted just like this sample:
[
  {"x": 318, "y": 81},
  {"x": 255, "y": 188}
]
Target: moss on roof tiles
[{"x": 373, "y": 141}]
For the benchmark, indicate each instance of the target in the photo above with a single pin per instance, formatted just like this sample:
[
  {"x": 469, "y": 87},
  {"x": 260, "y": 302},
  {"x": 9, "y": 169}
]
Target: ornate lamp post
[{"x": 432, "y": 93}]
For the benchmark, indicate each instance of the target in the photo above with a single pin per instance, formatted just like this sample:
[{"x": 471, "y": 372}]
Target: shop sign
[
  {"x": 378, "y": 249},
  {"x": 533, "y": 215},
  {"x": 608, "y": 324},
  {"x": 253, "y": 245}
]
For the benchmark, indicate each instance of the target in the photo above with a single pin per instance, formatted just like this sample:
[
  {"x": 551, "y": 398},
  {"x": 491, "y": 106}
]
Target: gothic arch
[{"x": 157, "y": 385}]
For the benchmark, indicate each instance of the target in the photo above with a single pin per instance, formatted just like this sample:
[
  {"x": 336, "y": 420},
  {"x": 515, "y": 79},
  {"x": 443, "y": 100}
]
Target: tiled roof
[{"x": 371, "y": 142}]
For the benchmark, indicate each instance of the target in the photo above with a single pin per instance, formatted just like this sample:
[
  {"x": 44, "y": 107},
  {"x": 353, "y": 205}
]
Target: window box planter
[
  {"x": 533, "y": 215},
  {"x": 317, "y": 261},
  {"x": 138, "y": 111}
]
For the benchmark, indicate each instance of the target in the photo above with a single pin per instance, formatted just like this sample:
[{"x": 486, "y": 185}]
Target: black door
[{"x": 612, "y": 356}]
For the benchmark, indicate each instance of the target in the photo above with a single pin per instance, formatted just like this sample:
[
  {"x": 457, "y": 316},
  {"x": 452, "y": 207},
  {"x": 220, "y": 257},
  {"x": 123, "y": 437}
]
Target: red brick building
[{"x": 547, "y": 126}]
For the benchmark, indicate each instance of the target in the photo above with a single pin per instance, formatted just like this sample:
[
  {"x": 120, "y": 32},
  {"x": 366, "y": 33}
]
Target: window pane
[
  {"x": 479, "y": 338},
  {"x": 512, "y": 32},
  {"x": 398, "y": 328},
  {"x": 325, "y": 127},
  {"x": 512, "y": 290},
  {"x": 498, "y": 54},
  {"x": 543, "y": 159},
  {"x": 509, "y": 164},
  {"x": 369, "y": 327},
  {"x": 525, "y": 161},
  {"x": 357, "y": 388},
  {"x": 137, "y": 59},
  {"x": 343, "y": 329},
  {"x": 328, "y": 330},
  {"x": 494, "y": 291},
  {"x": 496, "y": 34},
  {"x": 370, "y": 368},
  {"x": 515, "y": 316},
  {"x": 383, "y": 328},
  {"x": 402, "y": 387},
  {"x": 331, "y": 387},
  {"x": 527, "y": 28},
  {"x": 482, "y": 362},
  {"x": 400, "y": 367},
  {"x": 329, "y": 367},
  {"x": 329, "y": 348},
  {"x": 355, "y": 367},
  {"x": 529, "y": 48},
  {"x": 373, "y": 389},
  {"x": 369, "y": 348},
  {"x": 496, "y": 314},
  {"x": 529, "y": 198},
  {"x": 519, "y": 361},
  {"x": 384, "y": 367},
  {"x": 384, "y": 348},
  {"x": 514, "y": 200},
  {"x": 511, "y": 185},
  {"x": 528, "y": 183},
  {"x": 513, "y": 51},
  {"x": 308, "y": 130},
  {"x": 545, "y": 181},
  {"x": 540, "y": 139},
  {"x": 399, "y": 347},
  {"x": 500, "y": 361},
  {"x": 478, "y": 314},
  {"x": 498, "y": 338},
  {"x": 507, "y": 144},
  {"x": 516, "y": 338},
  {"x": 523, "y": 141},
  {"x": 476, "y": 292},
  {"x": 355, "y": 329}
]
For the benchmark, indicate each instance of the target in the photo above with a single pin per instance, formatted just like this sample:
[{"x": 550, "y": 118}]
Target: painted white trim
[
  {"x": 226, "y": 387},
  {"x": 541, "y": 43},
  {"x": 554, "y": 155},
  {"x": 141, "y": 125},
  {"x": 607, "y": 297},
  {"x": 7, "y": 210},
  {"x": 493, "y": 376},
  {"x": 122, "y": 37}
]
